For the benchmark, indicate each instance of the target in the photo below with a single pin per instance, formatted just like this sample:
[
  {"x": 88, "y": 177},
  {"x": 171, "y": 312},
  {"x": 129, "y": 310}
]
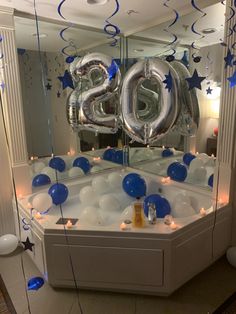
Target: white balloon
[
  {"x": 115, "y": 179},
  {"x": 109, "y": 203},
  {"x": 8, "y": 244},
  {"x": 182, "y": 197},
  {"x": 38, "y": 166},
  {"x": 199, "y": 174},
  {"x": 49, "y": 172},
  {"x": 204, "y": 157},
  {"x": 42, "y": 202},
  {"x": 210, "y": 163},
  {"x": 182, "y": 209},
  {"x": 195, "y": 164},
  {"x": 127, "y": 214},
  {"x": 75, "y": 172},
  {"x": 100, "y": 185},
  {"x": 68, "y": 161},
  {"x": 231, "y": 255},
  {"x": 87, "y": 196},
  {"x": 96, "y": 169},
  {"x": 90, "y": 216}
]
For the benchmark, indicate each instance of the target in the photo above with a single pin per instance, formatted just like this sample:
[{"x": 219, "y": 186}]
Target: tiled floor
[{"x": 201, "y": 295}]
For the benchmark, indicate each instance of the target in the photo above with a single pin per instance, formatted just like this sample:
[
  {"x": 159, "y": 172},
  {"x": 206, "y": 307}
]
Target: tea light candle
[
  {"x": 29, "y": 205},
  {"x": 123, "y": 226},
  {"x": 32, "y": 158},
  {"x": 168, "y": 219},
  {"x": 202, "y": 212},
  {"x": 93, "y": 149},
  {"x": 173, "y": 226},
  {"x": 96, "y": 160},
  {"x": 38, "y": 215},
  {"x": 212, "y": 155},
  {"x": 69, "y": 224},
  {"x": 68, "y": 153},
  {"x": 197, "y": 153},
  {"x": 163, "y": 147}
]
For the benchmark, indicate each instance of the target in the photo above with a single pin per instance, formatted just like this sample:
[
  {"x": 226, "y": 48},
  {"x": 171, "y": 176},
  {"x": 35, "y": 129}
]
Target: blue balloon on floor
[
  {"x": 82, "y": 163},
  {"x": 119, "y": 157},
  {"x": 58, "y": 193},
  {"x": 109, "y": 154},
  {"x": 35, "y": 283},
  {"x": 161, "y": 203},
  {"x": 167, "y": 153},
  {"x": 177, "y": 171},
  {"x": 134, "y": 185},
  {"x": 41, "y": 179},
  {"x": 57, "y": 163},
  {"x": 187, "y": 158},
  {"x": 210, "y": 181}
]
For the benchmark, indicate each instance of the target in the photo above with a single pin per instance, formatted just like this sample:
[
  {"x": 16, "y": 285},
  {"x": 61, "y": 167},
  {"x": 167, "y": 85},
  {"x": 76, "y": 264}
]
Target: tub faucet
[{"x": 152, "y": 216}]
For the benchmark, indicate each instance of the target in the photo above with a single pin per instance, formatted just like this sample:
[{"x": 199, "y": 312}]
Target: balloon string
[
  {"x": 193, "y": 29},
  {"x": 17, "y": 207},
  {"x": 175, "y": 38},
  {"x": 111, "y": 29}
]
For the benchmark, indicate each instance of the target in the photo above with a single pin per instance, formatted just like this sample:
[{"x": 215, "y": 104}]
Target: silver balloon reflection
[
  {"x": 150, "y": 100},
  {"x": 188, "y": 120},
  {"x": 104, "y": 80},
  {"x": 162, "y": 121}
]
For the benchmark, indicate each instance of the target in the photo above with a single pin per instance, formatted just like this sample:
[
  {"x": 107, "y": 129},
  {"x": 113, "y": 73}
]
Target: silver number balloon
[
  {"x": 152, "y": 129},
  {"x": 188, "y": 120},
  {"x": 89, "y": 114},
  {"x": 150, "y": 99}
]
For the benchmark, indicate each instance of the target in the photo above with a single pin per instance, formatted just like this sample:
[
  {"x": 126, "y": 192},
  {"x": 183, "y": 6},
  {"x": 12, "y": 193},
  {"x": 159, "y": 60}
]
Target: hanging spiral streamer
[
  {"x": 175, "y": 38},
  {"x": 111, "y": 29},
  {"x": 69, "y": 57},
  {"x": 196, "y": 58}
]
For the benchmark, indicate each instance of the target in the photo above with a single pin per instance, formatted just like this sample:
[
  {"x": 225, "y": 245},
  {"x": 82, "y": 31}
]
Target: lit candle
[
  {"x": 52, "y": 155},
  {"x": 38, "y": 215},
  {"x": 163, "y": 147},
  {"x": 68, "y": 153},
  {"x": 168, "y": 219},
  {"x": 108, "y": 147},
  {"x": 29, "y": 205},
  {"x": 168, "y": 180},
  {"x": 32, "y": 158},
  {"x": 212, "y": 155},
  {"x": 173, "y": 226},
  {"x": 148, "y": 146},
  {"x": 202, "y": 212},
  {"x": 97, "y": 160},
  {"x": 163, "y": 180},
  {"x": 93, "y": 149},
  {"x": 197, "y": 153},
  {"x": 69, "y": 224},
  {"x": 123, "y": 226}
]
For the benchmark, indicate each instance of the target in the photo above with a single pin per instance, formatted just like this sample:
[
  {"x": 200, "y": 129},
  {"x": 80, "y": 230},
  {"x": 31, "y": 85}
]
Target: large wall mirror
[
  {"x": 203, "y": 53},
  {"x": 191, "y": 141}
]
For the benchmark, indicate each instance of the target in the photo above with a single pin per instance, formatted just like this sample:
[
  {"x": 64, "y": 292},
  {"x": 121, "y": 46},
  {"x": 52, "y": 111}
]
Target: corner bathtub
[{"x": 150, "y": 260}]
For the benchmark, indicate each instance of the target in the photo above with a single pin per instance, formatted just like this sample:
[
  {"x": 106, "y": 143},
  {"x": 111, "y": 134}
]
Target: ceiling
[
  {"x": 149, "y": 13},
  {"x": 144, "y": 44}
]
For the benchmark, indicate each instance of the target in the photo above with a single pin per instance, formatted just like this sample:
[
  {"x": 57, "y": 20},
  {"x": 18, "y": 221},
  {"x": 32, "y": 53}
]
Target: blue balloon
[
  {"x": 161, "y": 203},
  {"x": 109, "y": 154},
  {"x": 41, "y": 179},
  {"x": 167, "y": 152},
  {"x": 177, "y": 171},
  {"x": 187, "y": 158},
  {"x": 59, "y": 193},
  {"x": 35, "y": 283},
  {"x": 82, "y": 163},
  {"x": 119, "y": 157},
  {"x": 57, "y": 163},
  {"x": 134, "y": 185},
  {"x": 210, "y": 181}
]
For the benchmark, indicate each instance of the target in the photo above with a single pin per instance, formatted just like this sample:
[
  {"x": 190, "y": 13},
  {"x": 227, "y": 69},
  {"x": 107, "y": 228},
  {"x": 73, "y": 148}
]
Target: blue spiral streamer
[
  {"x": 193, "y": 29},
  {"x": 59, "y": 9},
  {"x": 175, "y": 38},
  {"x": 111, "y": 29},
  {"x": 69, "y": 57}
]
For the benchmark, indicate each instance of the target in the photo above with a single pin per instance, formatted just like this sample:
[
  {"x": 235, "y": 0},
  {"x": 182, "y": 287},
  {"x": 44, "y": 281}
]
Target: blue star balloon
[
  {"x": 35, "y": 283},
  {"x": 112, "y": 70},
  {"x": 232, "y": 79},
  {"x": 168, "y": 81},
  {"x": 195, "y": 80},
  {"x": 66, "y": 80},
  {"x": 209, "y": 90},
  {"x": 228, "y": 59}
]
